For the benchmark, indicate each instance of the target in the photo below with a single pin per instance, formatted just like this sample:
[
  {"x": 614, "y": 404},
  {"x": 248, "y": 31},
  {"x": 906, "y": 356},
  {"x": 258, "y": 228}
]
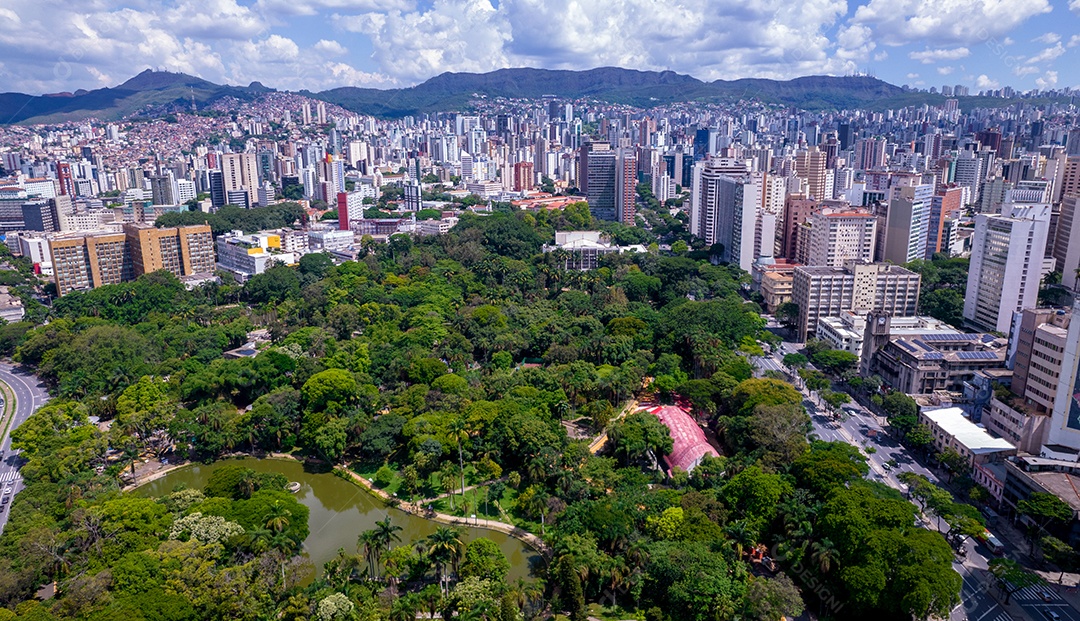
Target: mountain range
[{"x": 154, "y": 93}]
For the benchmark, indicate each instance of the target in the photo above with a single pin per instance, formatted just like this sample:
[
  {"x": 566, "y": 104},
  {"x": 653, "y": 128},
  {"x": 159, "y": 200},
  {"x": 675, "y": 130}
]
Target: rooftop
[
  {"x": 973, "y": 437},
  {"x": 689, "y": 444}
]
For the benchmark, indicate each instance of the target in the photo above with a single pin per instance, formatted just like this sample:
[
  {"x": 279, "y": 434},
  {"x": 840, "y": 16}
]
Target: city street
[
  {"x": 887, "y": 460},
  {"x": 30, "y": 394}
]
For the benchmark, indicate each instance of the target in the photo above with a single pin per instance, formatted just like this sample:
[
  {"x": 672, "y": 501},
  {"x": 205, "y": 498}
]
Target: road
[
  {"x": 887, "y": 460},
  {"x": 30, "y": 394}
]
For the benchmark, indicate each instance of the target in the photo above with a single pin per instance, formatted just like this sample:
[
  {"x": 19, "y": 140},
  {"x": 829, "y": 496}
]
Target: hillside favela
[{"x": 405, "y": 310}]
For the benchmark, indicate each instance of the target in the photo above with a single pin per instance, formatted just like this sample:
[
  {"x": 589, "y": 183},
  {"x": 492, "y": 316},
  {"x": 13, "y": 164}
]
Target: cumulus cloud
[
  {"x": 1048, "y": 54},
  {"x": 769, "y": 38},
  {"x": 984, "y": 81},
  {"x": 898, "y": 22},
  {"x": 945, "y": 70},
  {"x": 928, "y": 56},
  {"x": 314, "y": 7},
  {"x": 331, "y": 48},
  {"x": 1025, "y": 70},
  {"x": 1048, "y": 38},
  {"x": 1048, "y": 79},
  {"x": 1073, "y": 41}
]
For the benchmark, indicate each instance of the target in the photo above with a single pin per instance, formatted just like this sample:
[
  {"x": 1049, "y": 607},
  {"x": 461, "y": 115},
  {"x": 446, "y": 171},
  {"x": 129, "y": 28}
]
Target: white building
[
  {"x": 1063, "y": 441},
  {"x": 1007, "y": 265},
  {"x": 907, "y": 223},
  {"x": 841, "y": 235}
]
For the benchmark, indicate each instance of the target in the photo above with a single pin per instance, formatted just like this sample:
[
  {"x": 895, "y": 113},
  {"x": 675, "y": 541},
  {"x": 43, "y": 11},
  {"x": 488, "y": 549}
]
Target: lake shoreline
[{"x": 530, "y": 539}]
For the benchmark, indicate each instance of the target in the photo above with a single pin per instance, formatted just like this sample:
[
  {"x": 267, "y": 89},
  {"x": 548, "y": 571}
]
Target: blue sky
[{"x": 52, "y": 46}]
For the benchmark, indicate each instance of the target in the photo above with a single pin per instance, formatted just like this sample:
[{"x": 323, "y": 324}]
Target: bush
[{"x": 384, "y": 476}]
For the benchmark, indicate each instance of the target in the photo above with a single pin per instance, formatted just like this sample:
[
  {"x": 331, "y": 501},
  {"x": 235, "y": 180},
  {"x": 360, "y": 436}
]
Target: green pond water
[{"x": 340, "y": 511}]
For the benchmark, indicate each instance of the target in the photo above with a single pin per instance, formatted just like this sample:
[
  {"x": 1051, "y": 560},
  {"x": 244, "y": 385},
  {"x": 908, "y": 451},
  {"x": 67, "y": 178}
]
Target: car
[
  {"x": 5, "y": 500},
  {"x": 1046, "y": 596},
  {"x": 1051, "y": 615},
  {"x": 886, "y": 466}
]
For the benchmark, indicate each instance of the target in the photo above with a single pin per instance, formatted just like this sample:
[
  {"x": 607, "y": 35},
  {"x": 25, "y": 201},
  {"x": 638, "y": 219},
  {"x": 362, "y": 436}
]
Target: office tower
[
  {"x": 182, "y": 251},
  {"x": 89, "y": 261},
  {"x": 1063, "y": 441},
  {"x": 523, "y": 176},
  {"x": 40, "y": 215},
  {"x": 240, "y": 172},
  {"x": 601, "y": 178},
  {"x": 217, "y": 189},
  {"x": 555, "y": 111},
  {"x": 990, "y": 138},
  {"x": 411, "y": 199},
  {"x": 810, "y": 166},
  {"x": 350, "y": 208},
  {"x": 1039, "y": 338},
  {"x": 305, "y": 113},
  {"x": 320, "y": 113},
  {"x": 838, "y": 236},
  {"x": 945, "y": 206},
  {"x": 626, "y": 187},
  {"x": 1066, "y": 250},
  {"x": 1007, "y": 265},
  {"x": 821, "y": 291},
  {"x": 845, "y": 135},
  {"x": 702, "y": 138},
  {"x": 161, "y": 190},
  {"x": 726, "y": 211},
  {"x": 63, "y": 177},
  {"x": 583, "y": 163},
  {"x": 869, "y": 153},
  {"x": 1072, "y": 143},
  {"x": 907, "y": 223}
]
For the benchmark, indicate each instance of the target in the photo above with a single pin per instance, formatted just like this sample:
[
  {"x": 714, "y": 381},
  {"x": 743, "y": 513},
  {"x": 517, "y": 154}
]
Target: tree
[
  {"x": 1061, "y": 554},
  {"x": 835, "y": 361},
  {"x": 679, "y": 247},
  {"x": 639, "y": 435},
  {"x": 484, "y": 559},
  {"x": 750, "y": 394},
  {"x": 330, "y": 389},
  {"x": 788, "y": 314},
  {"x": 769, "y": 599},
  {"x": 444, "y": 547},
  {"x": 795, "y": 361},
  {"x": 1011, "y": 576},
  {"x": 1043, "y": 509}
]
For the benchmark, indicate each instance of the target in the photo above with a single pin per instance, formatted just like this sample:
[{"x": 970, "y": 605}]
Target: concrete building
[
  {"x": 1063, "y": 441},
  {"x": 848, "y": 330},
  {"x": 907, "y": 223},
  {"x": 933, "y": 363},
  {"x": 841, "y": 235},
  {"x": 945, "y": 207},
  {"x": 240, "y": 172},
  {"x": 1027, "y": 474},
  {"x": 1007, "y": 265},
  {"x": 583, "y": 249},
  {"x": 1024, "y": 426},
  {"x": 1066, "y": 251},
  {"x": 950, "y": 429},
  {"x": 810, "y": 166},
  {"x": 1038, "y": 340},
  {"x": 89, "y": 261},
  {"x": 862, "y": 287},
  {"x": 244, "y": 256}
]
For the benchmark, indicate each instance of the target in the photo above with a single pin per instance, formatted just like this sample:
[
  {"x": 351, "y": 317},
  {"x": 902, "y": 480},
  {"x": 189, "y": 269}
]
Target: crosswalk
[
  {"x": 1001, "y": 617},
  {"x": 9, "y": 476},
  {"x": 1034, "y": 594}
]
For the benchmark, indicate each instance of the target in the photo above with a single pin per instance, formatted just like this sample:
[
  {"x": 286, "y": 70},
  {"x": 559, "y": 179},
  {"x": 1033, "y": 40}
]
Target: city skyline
[{"x": 319, "y": 44}]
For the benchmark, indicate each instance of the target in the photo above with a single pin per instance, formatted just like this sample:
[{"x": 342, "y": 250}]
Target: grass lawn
[{"x": 616, "y": 613}]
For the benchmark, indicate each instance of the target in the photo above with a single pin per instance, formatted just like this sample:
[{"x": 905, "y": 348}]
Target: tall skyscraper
[
  {"x": 841, "y": 235},
  {"x": 601, "y": 180},
  {"x": 907, "y": 223},
  {"x": 240, "y": 172},
  {"x": 63, "y": 176},
  {"x": 810, "y": 166},
  {"x": 626, "y": 187},
  {"x": 1007, "y": 265},
  {"x": 944, "y": 206}
]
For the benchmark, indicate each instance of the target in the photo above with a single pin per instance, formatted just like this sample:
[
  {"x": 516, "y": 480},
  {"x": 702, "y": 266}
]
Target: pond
[{"x": 340, "y": 511}]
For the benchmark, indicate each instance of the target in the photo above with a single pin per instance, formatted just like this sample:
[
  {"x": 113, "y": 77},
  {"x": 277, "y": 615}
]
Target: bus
[{"x": 992, "y": 542}]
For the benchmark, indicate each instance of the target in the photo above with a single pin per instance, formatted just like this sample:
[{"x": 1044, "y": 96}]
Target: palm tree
[
  {"x": 386, "y": 533},
  {"x": 825, "y": 555},
  {"x": 447, "y": 478},
  {"x": 278, "y": 518},
  {"x": 740, "y": 535},
  {"x": 368, "y": 542},
  {"x": 405, "y": 607},
  {"x": 459, "y": 432},
  {"x": 444, "y": 548}
]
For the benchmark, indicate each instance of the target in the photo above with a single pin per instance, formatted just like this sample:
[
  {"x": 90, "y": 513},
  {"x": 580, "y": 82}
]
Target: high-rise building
[
  {"x": 869, "y": 153},
  {"x": 626, "y": 187},
  {"x": 1007, "y": 265},
  {"x": 1039, "y": 341},
  {"x": 89, "y": 261},
  {"x": 161, "y": 190},
  {"x": 64, "y": 178},
  {"x": 240, "y": 172},
  {"x": 523, "y": 176},
  {"x": 1066, "y": 250},
  {"x": 944, "y": 206},
  {"x": 907, "y": 223},
  {"x": 1063, "y": 441},
  {"x": 810, "y": 166},
  {"x": 822, "y": 291},
  {"x": 601, "y": 180},
  {"x": 838, "y": 236}
]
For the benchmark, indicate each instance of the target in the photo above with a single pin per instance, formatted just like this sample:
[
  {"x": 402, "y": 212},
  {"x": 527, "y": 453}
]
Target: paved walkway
[{"x": 418, "y": 509}]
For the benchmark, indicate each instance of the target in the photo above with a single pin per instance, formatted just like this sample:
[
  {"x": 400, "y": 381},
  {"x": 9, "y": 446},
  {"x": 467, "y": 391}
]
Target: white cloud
[
  {"x": 1047, "y": 54},
  {"x": 315, "y": 7},
  {"x": 928, "y": 56},
  {"x": 1073, "y": 40},
  {"x": 984, "y": 81},
  {"x": 912, "y": 76},
  {"x": 1025, "y": 70},
  {"x": 740, "y": 38},
  {"x": 1007, "y": 41},
  {"x": 1048, "y": 38},
  {"x": 898, "y": 22},
  {"x": 330, "y": 48},
  {"x": 1048, "y": 80},
  {"x": 880, "y": 56},
  {"x": 945, "y": 70},
  {"x": 1074, "y": 5}
]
